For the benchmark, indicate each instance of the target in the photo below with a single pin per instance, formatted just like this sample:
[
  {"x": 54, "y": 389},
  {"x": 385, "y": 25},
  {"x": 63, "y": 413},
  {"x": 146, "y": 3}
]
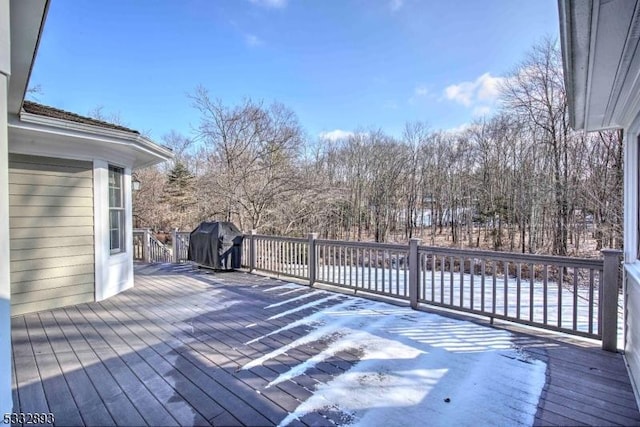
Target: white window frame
[{"x": 117, "y": 209}]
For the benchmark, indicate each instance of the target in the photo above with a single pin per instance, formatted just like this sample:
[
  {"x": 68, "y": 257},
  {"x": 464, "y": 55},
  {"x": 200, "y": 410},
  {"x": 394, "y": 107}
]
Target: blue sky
[{"x": 340, "y": 65}]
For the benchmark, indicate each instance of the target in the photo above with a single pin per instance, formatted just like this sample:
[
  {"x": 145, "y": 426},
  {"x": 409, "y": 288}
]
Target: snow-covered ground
[{"x": 415, "y": 368}]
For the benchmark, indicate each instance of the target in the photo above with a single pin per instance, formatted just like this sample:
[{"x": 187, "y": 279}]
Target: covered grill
[{"x": 216, "y": 245}]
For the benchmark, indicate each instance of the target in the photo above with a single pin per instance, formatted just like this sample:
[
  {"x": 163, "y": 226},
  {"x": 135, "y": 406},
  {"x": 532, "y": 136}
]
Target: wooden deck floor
[{"x": 168, "y": 352}]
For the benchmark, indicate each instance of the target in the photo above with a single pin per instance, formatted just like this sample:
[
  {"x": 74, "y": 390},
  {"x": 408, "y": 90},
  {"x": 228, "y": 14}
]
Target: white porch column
[{"x": 6, "y": 402}]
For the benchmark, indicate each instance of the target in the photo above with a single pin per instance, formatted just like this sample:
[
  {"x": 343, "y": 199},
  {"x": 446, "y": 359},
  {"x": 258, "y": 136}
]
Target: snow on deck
[
  {"x": 538, "y": 301},
  {"x": 416, "y": 368}
]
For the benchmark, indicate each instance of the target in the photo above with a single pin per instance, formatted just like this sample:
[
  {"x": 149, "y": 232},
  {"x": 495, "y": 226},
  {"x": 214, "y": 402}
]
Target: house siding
[
  {"x": 631, "y": 254},
  {"x": 51, "y": 232},
  {"x": 632, "y": 320}
]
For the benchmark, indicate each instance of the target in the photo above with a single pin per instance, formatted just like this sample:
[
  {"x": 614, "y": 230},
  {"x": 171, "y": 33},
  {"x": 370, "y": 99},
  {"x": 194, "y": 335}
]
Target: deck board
[
  {"x": 208, "y": 376},
  {"x": 169, "y": 352},
  {"x": 221, "y": 378},
  {"x": 30, "y": 389}
]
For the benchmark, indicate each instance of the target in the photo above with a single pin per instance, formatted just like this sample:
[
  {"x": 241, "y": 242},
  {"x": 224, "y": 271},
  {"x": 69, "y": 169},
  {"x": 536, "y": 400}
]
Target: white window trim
[
  {"x": 122, "y": 247},
  {"x": 114, "y": 272}
]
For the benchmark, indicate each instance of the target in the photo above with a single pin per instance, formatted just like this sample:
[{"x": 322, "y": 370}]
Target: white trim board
[
  {"x": 51, "y": 137},
  {"x": 114, "y": 273}
]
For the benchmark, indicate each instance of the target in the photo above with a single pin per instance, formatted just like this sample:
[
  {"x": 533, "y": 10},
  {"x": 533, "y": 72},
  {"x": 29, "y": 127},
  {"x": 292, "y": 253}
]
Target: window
[{"x": 116, "y": 209}]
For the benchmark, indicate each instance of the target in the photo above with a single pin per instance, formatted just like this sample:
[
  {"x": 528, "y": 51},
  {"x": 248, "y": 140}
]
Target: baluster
[
  {"x": 461, "y": 267},
  {"x": 494, "y": 291},
  {"x": 483, "y": 270},
  {"x": 433, "y": 276},
  {"x": 505, "y": 272},
  {"x": 545, "y": 290},
  {"x": 560, "y": 284},
  {"x": 472, "y": 273},
  {"x": 398, "y": 274},
  {"x": 591, "y": 302},
  {"x": 451, "y": 274},
  {"x": 442, "y": 259},
  {"x": 532, "y": 274},
  {"x": 575, "y": 299},
  {"x": 376, "y": 270}
]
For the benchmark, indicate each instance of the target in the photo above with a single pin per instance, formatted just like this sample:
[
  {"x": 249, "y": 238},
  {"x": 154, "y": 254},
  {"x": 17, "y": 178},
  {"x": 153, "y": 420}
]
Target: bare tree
[
  {"x": 251, "y": 151},
  {"x": 149, "y": 210},
  {"x": 536, "y": 91},
  {"x": 519, "y": 180}
]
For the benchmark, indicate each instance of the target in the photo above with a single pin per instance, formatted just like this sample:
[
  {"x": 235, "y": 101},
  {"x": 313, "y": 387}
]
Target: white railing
[
  {"x": 180, "y": 243},
  {"x": 280, "y": 255},
  {"x": 149, "y": 249},
  {"x": 558, "y": 293},
  {"x": 371, "y": 267},
  {"x": 573, "y": 295}
]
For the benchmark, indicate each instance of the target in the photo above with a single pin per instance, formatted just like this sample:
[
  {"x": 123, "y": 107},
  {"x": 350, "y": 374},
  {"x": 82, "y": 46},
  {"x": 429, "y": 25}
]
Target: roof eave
[
  {"x": 575, "y": 60},
  {"x": 27, "y": 22},
  {"x": 600, "y": 41},
  {"x": 150, "y": 153}
]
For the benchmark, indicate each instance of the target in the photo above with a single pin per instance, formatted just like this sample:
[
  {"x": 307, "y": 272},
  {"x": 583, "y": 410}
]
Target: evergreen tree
[{"x": 180, "y": 195}]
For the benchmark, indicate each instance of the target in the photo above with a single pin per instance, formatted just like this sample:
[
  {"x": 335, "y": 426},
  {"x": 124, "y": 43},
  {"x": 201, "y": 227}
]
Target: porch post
[
  {"x": 6, "y": 401},
  {"x": 311, "y": 258},
  {"x": 253, "y": 254},
  {"x": 609, "y": 302},
  {"x": 175, "y": 246},
  {"x": 414, "y": 278},
  {"x": 146, "y": 245}
]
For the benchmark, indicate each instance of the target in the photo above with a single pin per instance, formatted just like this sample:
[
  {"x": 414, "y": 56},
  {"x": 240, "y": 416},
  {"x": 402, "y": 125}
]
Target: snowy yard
[{"x": 416, "y": 368}]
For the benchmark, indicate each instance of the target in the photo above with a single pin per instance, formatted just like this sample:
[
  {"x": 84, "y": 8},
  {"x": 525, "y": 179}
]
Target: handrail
[
  {"x": 573, "y": 295},
  {"x": 517, "y": 256},
  {"x": 180, "y": 242},
  {"x": 350, "y": 243},
  {"x": 279, "y": 238},
  {"x": 149, "y": 249},
  {"x": 138, "y": 243},
  {"x": 558, "y": 293},
  {"x": 568, "y": 294}
]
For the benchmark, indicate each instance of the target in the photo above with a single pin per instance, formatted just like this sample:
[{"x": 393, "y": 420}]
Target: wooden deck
[{"x": 168, "y": 352}]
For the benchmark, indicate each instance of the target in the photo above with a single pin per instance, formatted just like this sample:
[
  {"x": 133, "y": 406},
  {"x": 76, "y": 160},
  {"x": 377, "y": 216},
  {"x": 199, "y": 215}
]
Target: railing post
[
  {"x": 414, "y": 279},
  {"x": 253, "y": 250},
  {"x": 311, "y": 258},
  {"x": 175, "y": 246},
  {"x": 146, "y": 245},
  {"x": 609, "y": 301}
]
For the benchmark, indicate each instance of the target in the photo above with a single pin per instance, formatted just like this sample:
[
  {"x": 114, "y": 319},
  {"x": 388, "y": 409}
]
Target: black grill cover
[{"x": 217, "y": 245}]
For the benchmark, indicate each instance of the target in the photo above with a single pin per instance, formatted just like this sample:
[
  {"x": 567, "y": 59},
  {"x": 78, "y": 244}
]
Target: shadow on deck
[{"x": 171, "y": 352}]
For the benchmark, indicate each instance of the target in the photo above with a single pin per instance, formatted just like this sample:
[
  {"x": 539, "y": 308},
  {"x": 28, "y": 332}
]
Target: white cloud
[
  {"x": 489, "y": 88},
  {"x": 336, "y": 134},
  {"x": 481, "y": 94},
  {"x": 253, "y": 40},
  {"x": 461, "y": 93},
  {"x": 275, "y": 4},
  {"x": 395, "y": 4},
  {"x": 421, "y": 91}
]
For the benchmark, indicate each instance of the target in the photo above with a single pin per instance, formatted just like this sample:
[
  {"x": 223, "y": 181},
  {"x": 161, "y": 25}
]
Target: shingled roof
[{"x": 46, "y": 111}]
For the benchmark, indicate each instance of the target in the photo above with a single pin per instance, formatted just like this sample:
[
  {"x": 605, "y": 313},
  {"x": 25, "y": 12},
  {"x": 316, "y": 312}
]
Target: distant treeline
[{"x": 521, "y": 180}]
